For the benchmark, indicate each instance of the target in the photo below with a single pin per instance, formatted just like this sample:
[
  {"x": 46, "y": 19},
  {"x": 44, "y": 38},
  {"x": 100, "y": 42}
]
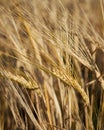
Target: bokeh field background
[{"x": 51, "y": 65}]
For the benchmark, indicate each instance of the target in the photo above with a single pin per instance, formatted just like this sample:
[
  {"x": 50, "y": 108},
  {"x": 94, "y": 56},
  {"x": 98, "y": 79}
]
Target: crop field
[{"x": 51, "y": 64}]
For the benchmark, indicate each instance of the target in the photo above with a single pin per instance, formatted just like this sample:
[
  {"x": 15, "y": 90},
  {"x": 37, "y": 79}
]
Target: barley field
[{"x": 51, "y": 65}]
